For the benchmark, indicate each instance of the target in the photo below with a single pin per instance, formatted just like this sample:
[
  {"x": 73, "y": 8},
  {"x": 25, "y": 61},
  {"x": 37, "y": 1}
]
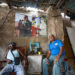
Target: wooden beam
[
  {"x": 59, "y": 4},
  {"x": 33, "y": 2},
  {"x": 8, "y": 2},
  {"x": 2, "y": 1}
]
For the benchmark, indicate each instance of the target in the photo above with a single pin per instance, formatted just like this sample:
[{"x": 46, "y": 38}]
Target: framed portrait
[{"x": 34, "y": 47}]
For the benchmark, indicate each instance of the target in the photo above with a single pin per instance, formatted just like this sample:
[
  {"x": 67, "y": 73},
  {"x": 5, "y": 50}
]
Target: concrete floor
[{"x": 72, "y": 72}]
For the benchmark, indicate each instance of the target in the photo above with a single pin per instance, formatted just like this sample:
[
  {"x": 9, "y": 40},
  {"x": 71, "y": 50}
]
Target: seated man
[
  {"x": 13, "y": 62},
  {"x": 55, "y": 54}
]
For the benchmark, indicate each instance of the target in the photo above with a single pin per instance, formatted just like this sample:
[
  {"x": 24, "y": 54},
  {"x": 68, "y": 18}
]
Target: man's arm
[
  {"x": 48, "y": 55},
  {"x": 61, "y": 51},
  {"x": 24, "y": 60},
  {"x": 59, "y": 55},
  {"x": 6, "y": 55},
  {"x": 9, "y": 61}
]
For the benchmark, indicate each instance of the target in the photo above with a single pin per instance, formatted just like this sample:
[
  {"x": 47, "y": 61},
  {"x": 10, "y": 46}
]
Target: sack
[{"x": 17, "y": 60}]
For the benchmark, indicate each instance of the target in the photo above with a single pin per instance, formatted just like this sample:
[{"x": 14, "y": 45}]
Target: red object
[
  {"x": 34, "y": 30},
  {"x": 65, "y": 59},
  {"x": 13, "y": 73}
]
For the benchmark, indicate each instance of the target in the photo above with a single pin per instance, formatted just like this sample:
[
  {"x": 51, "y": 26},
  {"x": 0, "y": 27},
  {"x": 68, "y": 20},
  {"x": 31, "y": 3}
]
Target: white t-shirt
[{"x": 10, "y": 56}]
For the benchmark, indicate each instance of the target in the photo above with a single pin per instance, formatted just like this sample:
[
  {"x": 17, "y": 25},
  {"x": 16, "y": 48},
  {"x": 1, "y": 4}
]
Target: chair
[
  {"x": 22, "y": 51},
  {"x": 65, "y": 67},
  {"x": 13, "y": 73}
]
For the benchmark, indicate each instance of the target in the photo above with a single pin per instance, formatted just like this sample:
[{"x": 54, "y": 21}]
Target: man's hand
[
  {"x": 59, "y": 55},
  {"x": 47, "y": 61},
  {"x": 56, "y": 59},
  {"x": 9, "y": 61},
  {"x": 48, "y": 55},
  {"x": 24, "y": 63}
]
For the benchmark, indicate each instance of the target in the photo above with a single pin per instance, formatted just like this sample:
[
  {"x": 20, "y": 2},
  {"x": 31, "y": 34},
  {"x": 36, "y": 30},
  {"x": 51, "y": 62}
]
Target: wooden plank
[{"x": 8, "y": 2}]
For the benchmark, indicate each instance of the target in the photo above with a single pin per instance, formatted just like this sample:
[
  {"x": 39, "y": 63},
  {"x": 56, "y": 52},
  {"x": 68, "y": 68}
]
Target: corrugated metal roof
[{"x": 67, "y": 4}]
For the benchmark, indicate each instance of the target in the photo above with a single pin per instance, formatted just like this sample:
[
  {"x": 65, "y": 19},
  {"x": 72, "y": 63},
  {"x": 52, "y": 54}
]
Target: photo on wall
[{"x": 30, "y": 24}]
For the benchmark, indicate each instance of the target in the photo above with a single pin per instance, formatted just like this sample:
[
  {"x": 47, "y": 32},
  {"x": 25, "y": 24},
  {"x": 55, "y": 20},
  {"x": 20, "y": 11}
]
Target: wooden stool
[{"x": 13, "y": 73}]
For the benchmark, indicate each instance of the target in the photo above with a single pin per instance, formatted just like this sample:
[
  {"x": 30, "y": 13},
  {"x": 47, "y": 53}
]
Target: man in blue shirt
[{"x": 55, "y": 54}]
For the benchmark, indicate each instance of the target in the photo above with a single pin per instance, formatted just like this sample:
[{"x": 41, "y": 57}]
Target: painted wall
[{"x": 54, "y": 22}]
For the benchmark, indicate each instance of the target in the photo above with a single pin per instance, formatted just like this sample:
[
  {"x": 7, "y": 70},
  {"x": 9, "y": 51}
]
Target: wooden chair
[
  {"x": 22, "y": 51},
  {"x": 64, "y": 67},
  {"x": 13, "y": 73}
]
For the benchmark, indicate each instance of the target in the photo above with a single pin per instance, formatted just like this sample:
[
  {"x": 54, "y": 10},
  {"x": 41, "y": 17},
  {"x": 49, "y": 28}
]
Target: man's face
[
  {"x": 25, "y": 18},
  {"x": 52, "y": 38},
  {"x": 11, "y": 47}
]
